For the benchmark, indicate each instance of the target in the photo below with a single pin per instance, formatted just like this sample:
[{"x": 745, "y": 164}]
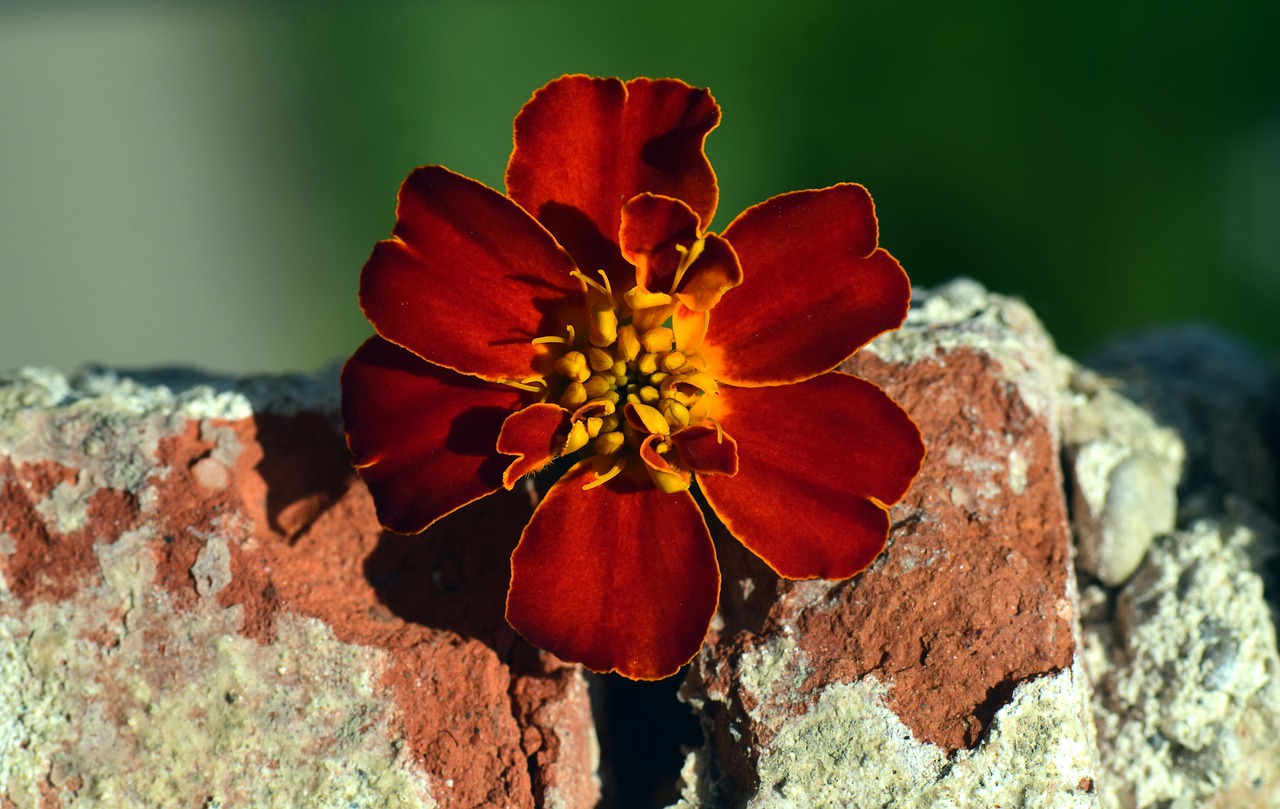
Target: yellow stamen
[
  {"x": 607, "y": 476},
  {"x": 577, "y": 439},
  {"x": 599, "y": 359},
  {"x": 644, "y": 417},
  {"x": 573, "y": 365},
  {"x": 657, "y": 340},
  {"x": 606, "y": 290},
  {"x": 672, "y": 361},
  {"x": 603, "y": 328},
  {"x": 532, "y": 384},
  {"x": 609, "y": 443},
  {"x": 628, "y": 343},
  {"x": 687, "y": 257},
  {"x": 574, "y": 396},
  {"x": 597, "y": 386},
  {"x": 638, "y": 298},
  {"x": 554, "y": 339},
  {"x": 593, "y": 426}
]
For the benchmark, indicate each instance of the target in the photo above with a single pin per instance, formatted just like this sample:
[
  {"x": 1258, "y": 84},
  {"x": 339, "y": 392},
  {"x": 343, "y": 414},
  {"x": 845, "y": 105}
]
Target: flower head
[{"x": 591, "y": 314}]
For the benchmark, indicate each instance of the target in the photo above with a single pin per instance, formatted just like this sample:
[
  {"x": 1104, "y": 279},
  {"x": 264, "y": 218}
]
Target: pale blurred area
[
  {"x": 155, "y": 206},
  {"x": 200, "y": 183}
]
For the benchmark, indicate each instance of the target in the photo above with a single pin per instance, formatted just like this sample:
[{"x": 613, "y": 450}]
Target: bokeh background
[{"x": 201, "y": 184}]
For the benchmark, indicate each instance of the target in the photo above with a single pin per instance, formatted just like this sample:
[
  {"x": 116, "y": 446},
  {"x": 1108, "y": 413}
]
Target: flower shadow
[{"x": 453, "y": 577}]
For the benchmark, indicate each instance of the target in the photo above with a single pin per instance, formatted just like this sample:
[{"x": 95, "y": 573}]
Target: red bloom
[{"x": 574, "y": 318}]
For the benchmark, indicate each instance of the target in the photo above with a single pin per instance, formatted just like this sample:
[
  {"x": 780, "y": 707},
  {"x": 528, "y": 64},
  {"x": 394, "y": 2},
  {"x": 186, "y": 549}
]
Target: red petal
[
  {"x": 584, "y": 146},
  {"x": 422, "y": 437},
  {"x": 657, "y": 234},
  {"x": 619, "y": 578},
  {"x": 536, "y": 435},
  {"x": 834, "y": 449},
  {"x": 815, "y": 288},
  {"x": 468, "y": 279},
  {"x": 706, "y": 450}
]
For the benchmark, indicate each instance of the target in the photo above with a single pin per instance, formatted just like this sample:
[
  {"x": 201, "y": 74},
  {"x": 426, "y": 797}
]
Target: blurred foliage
[
  {"x": 1116, "y": 164},
  {"x": 1086, "y": 156}
]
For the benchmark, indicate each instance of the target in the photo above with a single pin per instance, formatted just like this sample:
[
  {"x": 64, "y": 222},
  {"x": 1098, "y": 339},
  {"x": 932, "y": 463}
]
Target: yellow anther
[
  {"x": 634, "y": 398},
  {"x": 597, "y": 386},
  {"x": 607, "y": 476},
  {"x": 676, "y": 414},
  {"x": 573, "y": 365},
  {"x": 599, "y": 359},
  {"x": 574, "y": 396},
  {"x": 672, "y": 361},
  {"x": 638, "y": 298},
  {"x": 603, "y": 328},
  {"x": 648, "y": 394},
  {"x": 593, "y": 426},
  {"x": 657, "y": 340},
  {"x": 620, "y": 369},
  {"x": 609, "y": 423},
  {"x": 644, "y": 418},
  {"x": 609, "y": 443},
  {"x": 612, "y": 396},
  {"x": 628, "y": 343},
  {"x": 578, "y": 438},
  {"x": 656, "y": 377},
  {"x": 647, "y": 363}
]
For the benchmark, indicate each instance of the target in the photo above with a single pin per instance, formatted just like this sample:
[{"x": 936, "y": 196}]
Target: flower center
[{"x": 628, "y": 386}]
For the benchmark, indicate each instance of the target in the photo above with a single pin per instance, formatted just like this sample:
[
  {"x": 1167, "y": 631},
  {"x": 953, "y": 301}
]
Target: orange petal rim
[
  {"x": 810, "y": 263},
  {"x": 834, "y": 448},
  {"x": 621, "y": 577},
  {"x": 584, "y": 146},
  {"x": 468, "y": 279},
  {"x": 422, "y": 436}
]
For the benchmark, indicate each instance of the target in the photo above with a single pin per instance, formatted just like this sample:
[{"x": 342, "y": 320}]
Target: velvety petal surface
[
  {"x": 422, "y": 436},
  {"x": 535, "y": 436},
  {"x": 621, "y": 577},
  {"x": 836, "y": 451},
  {"x": 815, "y": 288},
  {"x": 468, "y": 279},
  {"x": 706, "y": 450},
  {"x": 584, "y": 146}
]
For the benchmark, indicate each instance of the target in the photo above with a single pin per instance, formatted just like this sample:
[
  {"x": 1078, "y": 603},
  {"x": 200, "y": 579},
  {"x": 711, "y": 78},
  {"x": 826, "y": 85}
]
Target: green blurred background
[{"x": 202, "y": 184}]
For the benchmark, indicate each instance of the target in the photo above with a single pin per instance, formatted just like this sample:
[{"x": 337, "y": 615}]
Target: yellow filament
[
  {"x": 607, "y": 476},
  {"x": 687, "y": 257},
  {"x": 533, "y": 384},
  {"x": 606, "y": 290},
  {"x": 554, "y": 339},
  {"x": 719, "y": 429}
]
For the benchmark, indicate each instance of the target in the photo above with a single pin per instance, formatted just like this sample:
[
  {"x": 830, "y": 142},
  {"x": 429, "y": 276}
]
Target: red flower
[{"x": 590, "y": 314}]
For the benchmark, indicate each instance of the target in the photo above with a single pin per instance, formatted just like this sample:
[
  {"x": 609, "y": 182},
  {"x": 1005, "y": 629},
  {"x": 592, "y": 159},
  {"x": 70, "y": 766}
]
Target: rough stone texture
[
  {"x": 195, "y": 601},
  {"x": 1124, "y": 473},
  {"x": 962, "y": 669},
  {"x": 1183, "y": 655},
  {"x": 196, "y": 605},
  {"x": 904, "y": 686}
]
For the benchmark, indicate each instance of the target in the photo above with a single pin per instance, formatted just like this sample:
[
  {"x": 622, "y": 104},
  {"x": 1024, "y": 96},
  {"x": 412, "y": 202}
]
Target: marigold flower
[{"x": 574, "y": 317}]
